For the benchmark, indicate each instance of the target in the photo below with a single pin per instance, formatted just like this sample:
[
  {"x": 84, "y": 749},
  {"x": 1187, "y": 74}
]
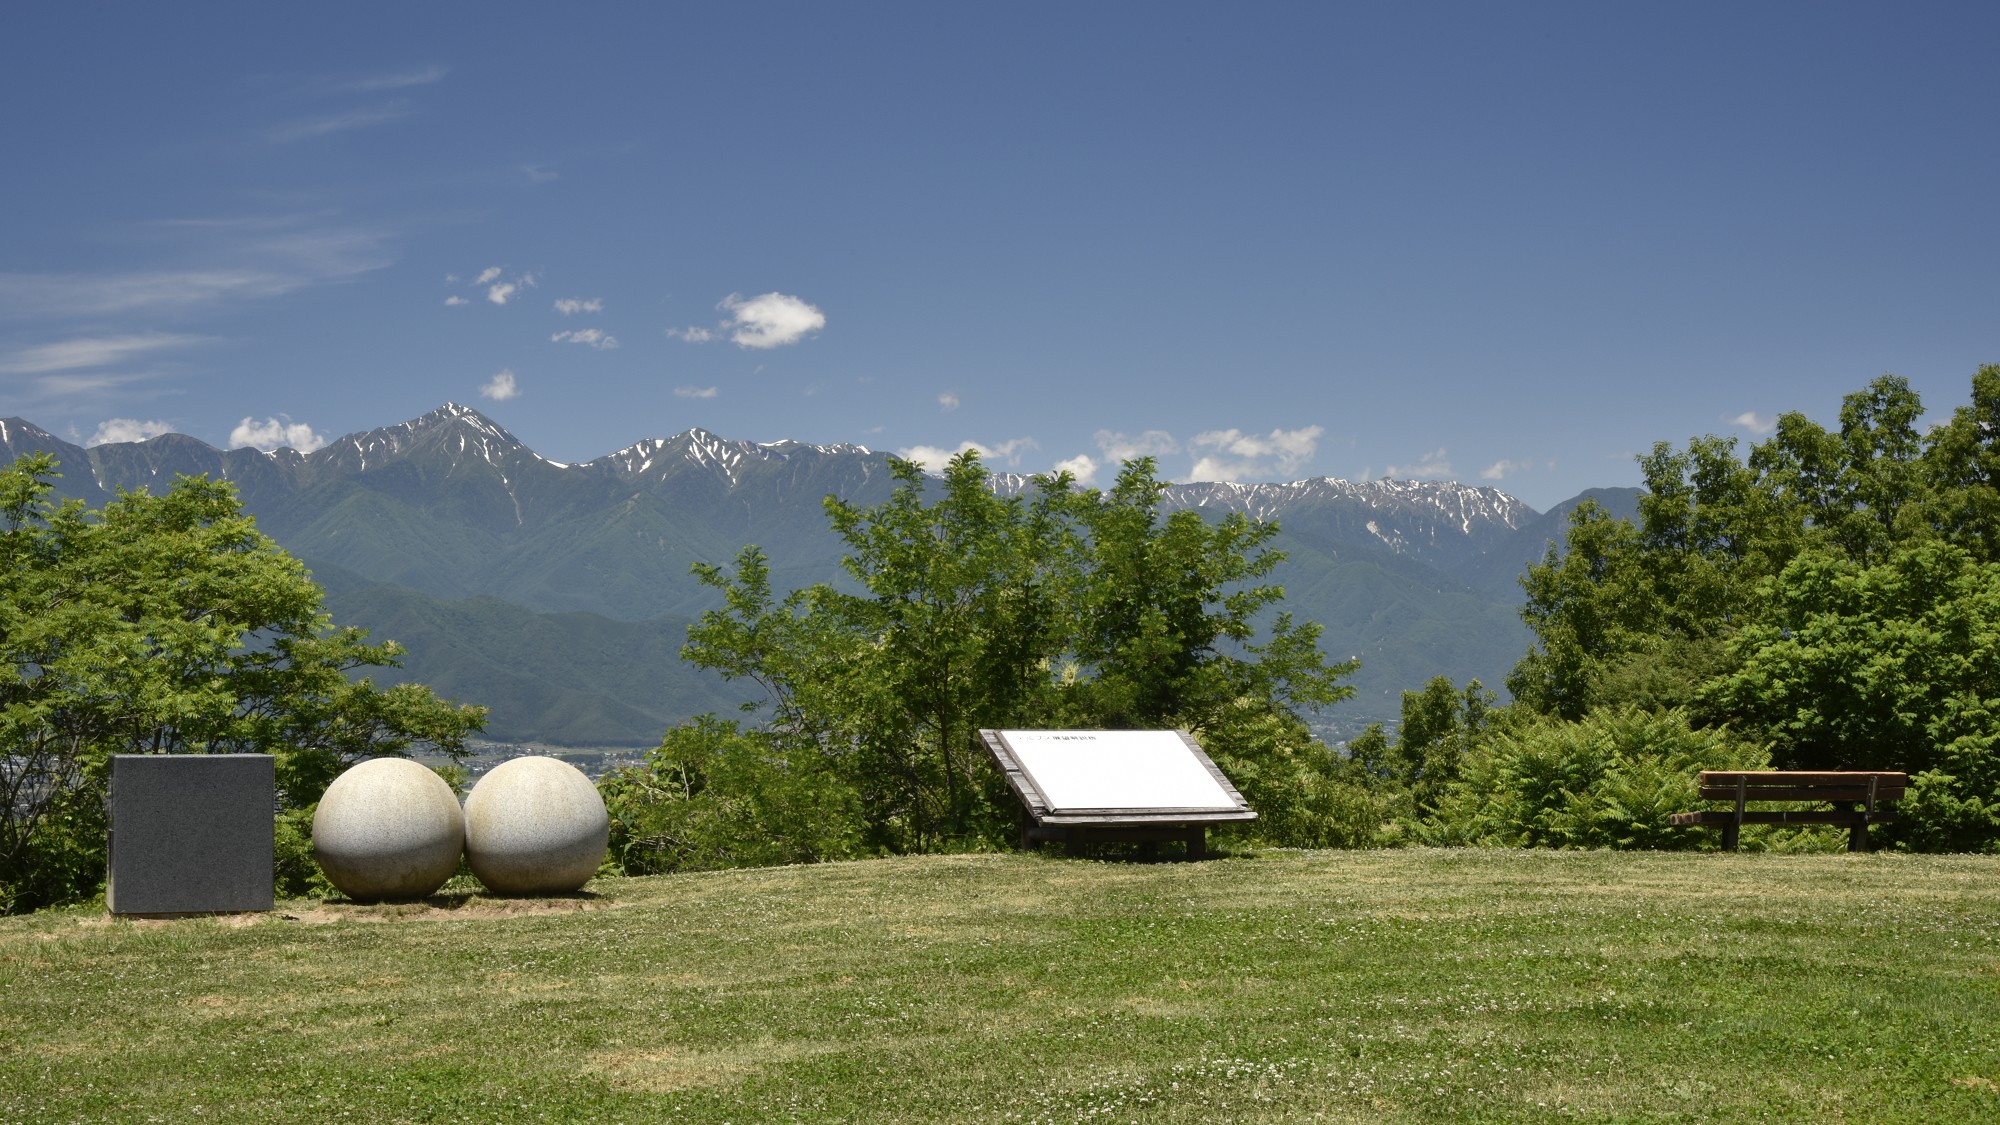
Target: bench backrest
[{"x": 1801, "y": 785}]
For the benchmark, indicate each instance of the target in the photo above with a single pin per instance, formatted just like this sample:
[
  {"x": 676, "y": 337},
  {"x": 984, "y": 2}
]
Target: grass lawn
[{"x": 1283, "y": 986}]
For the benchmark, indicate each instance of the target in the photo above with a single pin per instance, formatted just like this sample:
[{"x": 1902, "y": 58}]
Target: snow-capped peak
[{"x": 723, "y": 456}]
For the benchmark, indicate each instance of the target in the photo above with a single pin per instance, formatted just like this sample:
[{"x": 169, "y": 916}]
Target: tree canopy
[
  {"x": 1833, "y": 597},
  {"x": 161, "y": 625},
  {"x": 966, "y": 608}
]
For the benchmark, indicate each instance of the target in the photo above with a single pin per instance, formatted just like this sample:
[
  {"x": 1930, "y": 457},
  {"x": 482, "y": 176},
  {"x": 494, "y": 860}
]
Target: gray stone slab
[{"x": 191, "y": 833}]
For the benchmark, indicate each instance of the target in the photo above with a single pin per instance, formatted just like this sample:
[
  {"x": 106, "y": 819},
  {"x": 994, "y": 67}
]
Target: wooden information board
[{"x": 1144, "y": 786}]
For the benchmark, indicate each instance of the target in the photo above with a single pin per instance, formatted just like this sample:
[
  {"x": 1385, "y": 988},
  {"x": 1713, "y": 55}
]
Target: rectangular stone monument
[{"x": 191, "y": 833}]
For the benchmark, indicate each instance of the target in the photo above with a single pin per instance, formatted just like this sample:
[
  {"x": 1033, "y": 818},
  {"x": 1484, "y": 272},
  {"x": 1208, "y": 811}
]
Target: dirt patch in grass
[
  {"x": 437, "y": 908},
  {"x": 1975, "y": 1082},
  {"x": 445, "y": 908}
]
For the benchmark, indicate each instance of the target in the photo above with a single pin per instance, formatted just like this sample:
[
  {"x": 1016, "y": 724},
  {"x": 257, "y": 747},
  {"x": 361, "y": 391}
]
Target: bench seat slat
[
  {"x": 1763, "y": 816},
  {"x": 1798, "y": 793},
  {"x": 1755, "y": 778}
]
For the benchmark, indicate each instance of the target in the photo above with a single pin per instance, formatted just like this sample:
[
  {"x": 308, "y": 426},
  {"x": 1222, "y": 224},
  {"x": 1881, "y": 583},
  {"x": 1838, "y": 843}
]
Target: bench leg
[
  {"x": 1734, "y": 829},
  {"x": 1197, "y": 843},
  {"x": 1857, "y": 836}
]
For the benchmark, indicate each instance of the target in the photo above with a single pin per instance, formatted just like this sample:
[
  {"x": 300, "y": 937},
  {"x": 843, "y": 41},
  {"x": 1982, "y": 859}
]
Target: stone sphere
[
  {"x": 535, "y": 826},
  {"x": 388, "y": 828}
]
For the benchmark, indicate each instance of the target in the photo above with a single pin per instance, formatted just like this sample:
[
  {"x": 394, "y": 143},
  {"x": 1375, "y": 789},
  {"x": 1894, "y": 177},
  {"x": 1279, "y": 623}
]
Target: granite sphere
[
  {"x": 535, "y": 826},
  {"x": 388, "y": 828}
]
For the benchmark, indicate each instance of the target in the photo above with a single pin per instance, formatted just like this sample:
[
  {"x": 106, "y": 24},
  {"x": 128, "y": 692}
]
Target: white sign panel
[{"x": 1117, "y": 769}]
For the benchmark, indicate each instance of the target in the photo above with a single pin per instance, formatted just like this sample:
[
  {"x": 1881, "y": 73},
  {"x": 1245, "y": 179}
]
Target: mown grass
[{"x": 1414, "y": 986}]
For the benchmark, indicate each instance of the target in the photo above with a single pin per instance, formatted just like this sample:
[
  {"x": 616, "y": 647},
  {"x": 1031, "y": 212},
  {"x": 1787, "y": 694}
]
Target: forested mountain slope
[{"x": 558, "y": 594}]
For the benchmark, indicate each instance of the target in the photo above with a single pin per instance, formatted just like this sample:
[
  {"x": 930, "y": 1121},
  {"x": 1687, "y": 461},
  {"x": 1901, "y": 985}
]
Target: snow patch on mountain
[
  {"x": 1424, "y": 519},
  {"x": 722, "y": 456}
]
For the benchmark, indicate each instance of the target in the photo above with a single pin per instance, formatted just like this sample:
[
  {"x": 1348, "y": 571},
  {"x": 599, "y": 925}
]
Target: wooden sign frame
[{"x": 1149, "y": 826}]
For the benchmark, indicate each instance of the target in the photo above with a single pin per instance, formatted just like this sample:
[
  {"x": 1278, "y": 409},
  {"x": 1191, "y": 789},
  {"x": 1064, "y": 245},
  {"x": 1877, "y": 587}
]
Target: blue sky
[{"x": 1503, "y": 244}]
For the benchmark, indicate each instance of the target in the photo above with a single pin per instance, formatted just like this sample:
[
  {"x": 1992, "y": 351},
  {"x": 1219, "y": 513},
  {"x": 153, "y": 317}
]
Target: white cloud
[
  {"x": 271, "y": 433},
  {"x": 695, "y": 392},
  {"x": 84, "y": 384},
  {"x": 588, "y": 337},
  {"x": 225, "y": 260},
  {"x": 540, "y": 173},
  {"x": 692, "y": 335},
  {"x": 933, "y": 458},
  {"x": 568, "y": 305},
  {"x": 26, "y": 294},
  {"x": 89, "y": 351},
  {"x": 1501, "y": 468},
  {"x": 490, "y": 273},
  {"x": 338, "y": 122},
  {"x": 455, "y": 300},
  {"x": 1238, "y": 455},
  {"x": 398, "y": 80},
  {"x": 948, "y": 402},
  {"x": 1431, "y": 466},
  {"x": 1120, "y": 448},
  {"x": 1754, "y": 422},
  {"x": 500, "y": 387},
  {"x": 503, "y": 291},
  {"x": 126, "y": 429},
  {"x": 770, "y": 321},
  {"x": 1009, "y": 451},
  {"x": 1082, "y": 466}
]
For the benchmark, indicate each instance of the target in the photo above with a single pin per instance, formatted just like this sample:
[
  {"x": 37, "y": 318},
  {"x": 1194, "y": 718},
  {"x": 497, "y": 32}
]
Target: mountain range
[{"x": 559, "y": 594}]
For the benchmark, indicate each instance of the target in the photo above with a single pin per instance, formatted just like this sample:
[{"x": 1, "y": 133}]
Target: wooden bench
[{"x": 1854, "y": 794}]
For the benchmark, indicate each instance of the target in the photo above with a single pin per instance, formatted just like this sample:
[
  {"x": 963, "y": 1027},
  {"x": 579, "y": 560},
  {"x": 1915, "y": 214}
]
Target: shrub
[
  {"x": 1609, "y": 780},
  {"x": 712, "y": 795},
  {"x": 1304, "y": 796}
]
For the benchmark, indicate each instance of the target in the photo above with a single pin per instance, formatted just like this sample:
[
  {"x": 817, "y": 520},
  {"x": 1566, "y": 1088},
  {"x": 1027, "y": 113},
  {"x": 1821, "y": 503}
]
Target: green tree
[
  {"x": 1166, "y": 612},
  {"x": 167, "y": 624},
  {"x": 1057, "y": 606},
  {"x": 1961, "y": 461},
  {"x": 1858, "y": 492},
  {"x": 1828, "y": 596},
  {"x": 1627, "y": 613},
  {"x": 1642, "y": 613},
  {"x": 1441, "y": 724},
  {"x": 1892, "y": 666},
  {"x": 888, "y": 688}
]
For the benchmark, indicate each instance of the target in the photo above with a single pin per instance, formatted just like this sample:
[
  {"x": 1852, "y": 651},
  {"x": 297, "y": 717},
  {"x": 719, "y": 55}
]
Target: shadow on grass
[
  {"x": 1136, "y": 853},
  {"x": 446, "y": 905}
]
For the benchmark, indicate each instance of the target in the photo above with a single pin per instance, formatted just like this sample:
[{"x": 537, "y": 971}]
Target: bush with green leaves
[
  {"x": 713, "y": 795},
  {"x": 1305, "y": 795},
  {"x": 1440, "y": 724},
  {"x": 1608, "y": 780}
]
